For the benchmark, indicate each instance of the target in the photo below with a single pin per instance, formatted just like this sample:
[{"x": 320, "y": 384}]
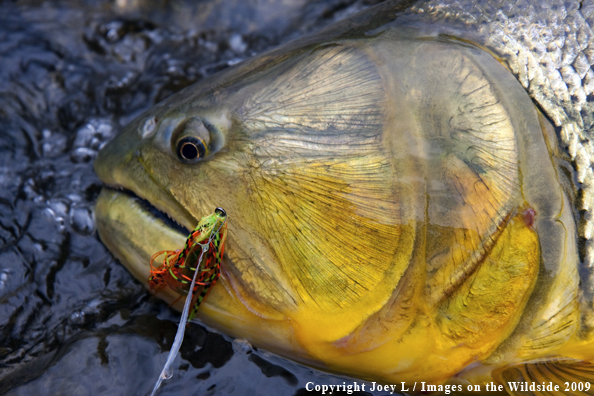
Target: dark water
[{"x": 72, "y": 320}]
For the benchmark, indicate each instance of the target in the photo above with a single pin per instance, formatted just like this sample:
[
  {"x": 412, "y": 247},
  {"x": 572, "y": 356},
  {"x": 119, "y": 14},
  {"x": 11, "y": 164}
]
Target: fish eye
[
  {"x": 192, "y": 140},
  {"x": 221, "y": 212},
  {"x": 191, "y": 149}
]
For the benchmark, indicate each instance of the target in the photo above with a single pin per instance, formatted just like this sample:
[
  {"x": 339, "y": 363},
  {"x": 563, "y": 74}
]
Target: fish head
[
  {"x": 293, "y": 152},
  {"x": 385, "y": 198}
]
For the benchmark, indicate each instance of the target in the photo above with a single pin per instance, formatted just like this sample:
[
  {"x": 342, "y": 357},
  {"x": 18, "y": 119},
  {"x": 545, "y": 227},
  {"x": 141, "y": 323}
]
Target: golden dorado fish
[{"x": 409, "y": 194}]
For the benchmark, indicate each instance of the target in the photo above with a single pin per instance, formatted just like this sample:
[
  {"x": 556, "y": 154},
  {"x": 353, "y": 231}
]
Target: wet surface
[{"x": 73, "y": 321}]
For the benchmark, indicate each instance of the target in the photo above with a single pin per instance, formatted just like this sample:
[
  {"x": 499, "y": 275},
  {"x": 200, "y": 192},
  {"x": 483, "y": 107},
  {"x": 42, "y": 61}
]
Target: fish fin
[
  {"x": 573, "y": 377},
  {"x": 557, "y": 324}
]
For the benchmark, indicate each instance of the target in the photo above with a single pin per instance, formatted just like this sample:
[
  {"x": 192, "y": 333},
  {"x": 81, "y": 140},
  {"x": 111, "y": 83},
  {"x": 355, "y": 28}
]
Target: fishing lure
[
  {"x": 192, "y": 270},
  {"x": 178, "y": 266}
]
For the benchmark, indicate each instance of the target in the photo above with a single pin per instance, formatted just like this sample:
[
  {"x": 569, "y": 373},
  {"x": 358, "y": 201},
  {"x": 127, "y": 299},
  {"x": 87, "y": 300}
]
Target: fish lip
[
  {"x": 133, "y": 234},
  {"x": 151, "y": 210}
]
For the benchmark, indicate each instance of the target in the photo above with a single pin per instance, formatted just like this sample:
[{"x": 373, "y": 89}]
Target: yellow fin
[{"x": 553, "y": 377}]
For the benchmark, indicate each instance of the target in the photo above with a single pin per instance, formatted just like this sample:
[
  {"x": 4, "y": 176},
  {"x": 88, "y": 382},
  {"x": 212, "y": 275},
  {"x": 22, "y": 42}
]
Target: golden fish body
[{"x": 398, "y": 207}]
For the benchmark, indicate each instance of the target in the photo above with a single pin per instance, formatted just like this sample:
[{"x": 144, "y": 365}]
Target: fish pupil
[{"x": 190, "y": 149}]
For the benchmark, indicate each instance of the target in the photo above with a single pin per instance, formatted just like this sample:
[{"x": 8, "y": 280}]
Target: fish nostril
[{"x": 148, "y": 127}]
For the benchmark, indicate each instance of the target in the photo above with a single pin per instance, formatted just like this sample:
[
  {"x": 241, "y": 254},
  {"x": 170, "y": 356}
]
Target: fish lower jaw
[{"x": 132, "y": 233}]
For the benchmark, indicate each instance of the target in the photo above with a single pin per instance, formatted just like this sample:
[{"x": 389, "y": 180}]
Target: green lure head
[{"x": 209, "y": 225}]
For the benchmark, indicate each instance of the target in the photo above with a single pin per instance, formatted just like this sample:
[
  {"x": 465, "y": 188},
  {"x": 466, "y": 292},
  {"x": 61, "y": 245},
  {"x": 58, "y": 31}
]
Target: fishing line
[{"x": 167, "y": 372}]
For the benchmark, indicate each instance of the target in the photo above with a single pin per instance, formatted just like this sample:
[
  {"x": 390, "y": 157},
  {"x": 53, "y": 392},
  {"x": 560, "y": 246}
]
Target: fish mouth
[
  {"x": 151, "y": 210},
  {"x": 133, "y": 229}
]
